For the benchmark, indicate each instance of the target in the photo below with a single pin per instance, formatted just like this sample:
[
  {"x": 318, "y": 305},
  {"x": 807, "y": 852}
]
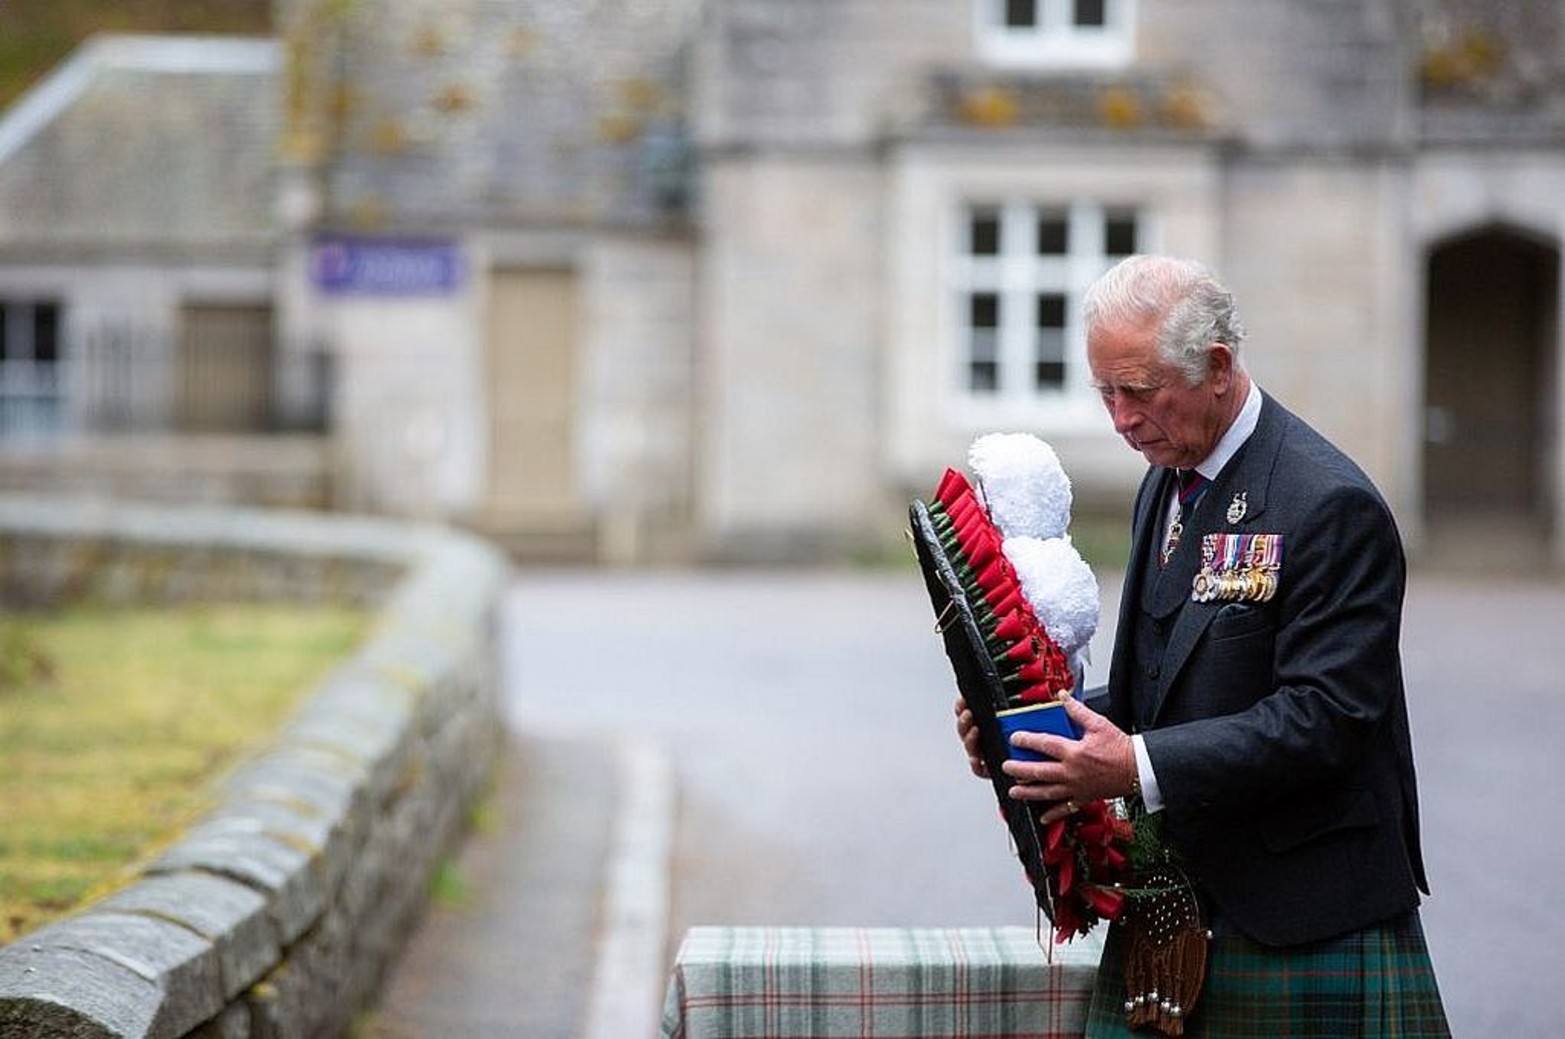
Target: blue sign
[{"x": 342, "y": 265}]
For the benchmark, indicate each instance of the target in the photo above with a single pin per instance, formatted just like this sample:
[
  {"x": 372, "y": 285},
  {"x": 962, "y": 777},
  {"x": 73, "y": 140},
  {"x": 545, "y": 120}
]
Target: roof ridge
[{"x": 170, "y": 53}]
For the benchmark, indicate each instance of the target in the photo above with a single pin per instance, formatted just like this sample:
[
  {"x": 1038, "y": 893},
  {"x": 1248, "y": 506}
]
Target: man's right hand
[{"x": 967, "y": 729}]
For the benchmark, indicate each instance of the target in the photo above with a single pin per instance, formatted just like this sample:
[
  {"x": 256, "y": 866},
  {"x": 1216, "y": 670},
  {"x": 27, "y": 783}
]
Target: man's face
[{"x": 1157, "y": 412}]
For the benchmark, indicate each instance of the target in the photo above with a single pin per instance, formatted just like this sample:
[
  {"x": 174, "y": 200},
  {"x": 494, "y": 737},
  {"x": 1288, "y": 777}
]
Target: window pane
[
  {"x": 1051, "y": 311},
  {"x": 983, "y": 342},
  {"x": 984, "y": 310},
  {"x": 1053, "y": 233},
  {"x": 1091, "y": 13},
  {"x": 1049, "y": 342},
  {"x": 46, "y": 323},
  {"x": 983, "y": 377},
  {"x": 983, "y": 367},
  {"x": 1021, "y": 14},
  {"x": 1049, "y": 375},
  {"x": 984, "y": 233},
  {"x": 1119, "y": 232}
]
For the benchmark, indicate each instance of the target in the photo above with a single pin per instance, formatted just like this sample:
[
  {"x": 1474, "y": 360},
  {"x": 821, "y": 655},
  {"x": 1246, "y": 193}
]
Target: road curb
[{"x": 630, "y": 974}]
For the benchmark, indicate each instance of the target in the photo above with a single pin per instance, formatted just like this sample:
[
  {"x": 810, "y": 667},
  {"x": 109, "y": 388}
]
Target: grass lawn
[{"x": 111, "y": 747}]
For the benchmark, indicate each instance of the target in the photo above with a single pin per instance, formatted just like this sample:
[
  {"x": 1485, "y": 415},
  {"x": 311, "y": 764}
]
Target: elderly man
[{"x": 1255, "y": 707}]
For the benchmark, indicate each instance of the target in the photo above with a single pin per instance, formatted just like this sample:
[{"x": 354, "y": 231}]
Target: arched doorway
[{"x": 1491, "y": 325}]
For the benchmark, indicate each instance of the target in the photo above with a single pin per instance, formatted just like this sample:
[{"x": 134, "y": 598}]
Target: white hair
[{"x": 1192, "y": 307}]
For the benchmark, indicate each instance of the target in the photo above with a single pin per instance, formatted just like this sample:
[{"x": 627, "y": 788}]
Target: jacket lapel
[
  {"x": 1143, "y": 537},
  {"x": 1249, "y": 474}
]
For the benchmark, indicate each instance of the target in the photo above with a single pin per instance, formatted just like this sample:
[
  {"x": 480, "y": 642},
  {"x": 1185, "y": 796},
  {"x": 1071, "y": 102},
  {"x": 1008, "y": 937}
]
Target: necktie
[{"x": 1191, "y": 484}]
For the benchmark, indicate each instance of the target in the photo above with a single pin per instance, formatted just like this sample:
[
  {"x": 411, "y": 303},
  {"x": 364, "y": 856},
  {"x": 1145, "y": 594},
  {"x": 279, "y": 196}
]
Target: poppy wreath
[{"x": 1004, "y": 657}]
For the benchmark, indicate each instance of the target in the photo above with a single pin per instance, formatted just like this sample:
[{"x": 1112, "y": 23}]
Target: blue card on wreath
[{"x": 1047, "y": 717}]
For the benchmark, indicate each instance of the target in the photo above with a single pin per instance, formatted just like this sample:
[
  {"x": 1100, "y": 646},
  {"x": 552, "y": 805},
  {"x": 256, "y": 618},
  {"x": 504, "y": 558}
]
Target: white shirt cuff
[{"x": 1151, "y": 796}]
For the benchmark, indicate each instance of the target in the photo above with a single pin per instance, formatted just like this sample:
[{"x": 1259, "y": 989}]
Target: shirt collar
[{"x": 1238, "y": 432}]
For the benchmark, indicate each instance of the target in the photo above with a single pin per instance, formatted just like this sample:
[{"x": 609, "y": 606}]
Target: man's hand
[
  {"x": 1102, "y": 764},
  {"x": 967, "y": 729}
]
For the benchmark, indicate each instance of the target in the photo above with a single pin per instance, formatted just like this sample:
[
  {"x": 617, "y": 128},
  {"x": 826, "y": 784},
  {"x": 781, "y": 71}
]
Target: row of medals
[{"x": 1254, "y": 583}]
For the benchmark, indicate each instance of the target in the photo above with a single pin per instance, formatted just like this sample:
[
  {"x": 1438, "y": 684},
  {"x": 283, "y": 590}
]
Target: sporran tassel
[{"x": 1165, "y": 965}]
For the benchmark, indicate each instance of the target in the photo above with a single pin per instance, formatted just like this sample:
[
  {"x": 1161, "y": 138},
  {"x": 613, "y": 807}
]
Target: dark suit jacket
[{"x": 1278, "y": 730}]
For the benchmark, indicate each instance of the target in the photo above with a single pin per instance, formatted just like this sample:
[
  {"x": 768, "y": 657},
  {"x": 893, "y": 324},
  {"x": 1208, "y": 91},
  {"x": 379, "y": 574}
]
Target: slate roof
[
  {"x": 145, "y": 141},
  {"x": 522, "y": 112}
]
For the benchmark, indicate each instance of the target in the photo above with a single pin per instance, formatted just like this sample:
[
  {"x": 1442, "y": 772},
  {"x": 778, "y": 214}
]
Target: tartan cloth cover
[
  {"x": 887, "y": 983},
  {"x": 1377, "y": 983}
]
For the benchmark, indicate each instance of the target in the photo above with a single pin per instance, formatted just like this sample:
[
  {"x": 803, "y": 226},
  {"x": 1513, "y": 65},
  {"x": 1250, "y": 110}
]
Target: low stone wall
[
  {"x": 277, "y": 915},
  {"x": 269, "y": 470}
]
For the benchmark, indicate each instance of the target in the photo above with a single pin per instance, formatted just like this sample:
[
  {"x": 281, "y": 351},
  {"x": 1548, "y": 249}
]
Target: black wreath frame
[{"x": 978, "y": 680}]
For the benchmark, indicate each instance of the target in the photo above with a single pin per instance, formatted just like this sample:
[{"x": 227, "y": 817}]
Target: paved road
[{"x": 807, "y": 719}]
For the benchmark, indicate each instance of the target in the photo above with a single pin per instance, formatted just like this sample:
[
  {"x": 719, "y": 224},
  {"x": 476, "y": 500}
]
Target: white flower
[
  {"x": 1060, "y": 587},
  {"x": 1024, "y": 486}
]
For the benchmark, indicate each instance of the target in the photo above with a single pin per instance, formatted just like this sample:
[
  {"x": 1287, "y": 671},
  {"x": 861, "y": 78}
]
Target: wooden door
[
  {"x": 224, "y": 369},
  {"x": 532, "y": 397}
]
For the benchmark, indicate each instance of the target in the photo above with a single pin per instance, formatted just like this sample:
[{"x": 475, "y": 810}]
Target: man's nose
[{"x": 1122, "y": 413}]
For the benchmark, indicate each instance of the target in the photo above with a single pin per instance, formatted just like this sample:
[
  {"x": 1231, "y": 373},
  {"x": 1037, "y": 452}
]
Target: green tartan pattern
[{"x": 1377, "y": 983}]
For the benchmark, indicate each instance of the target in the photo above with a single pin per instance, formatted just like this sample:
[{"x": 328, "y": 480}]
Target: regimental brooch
[
  {"x": 1238, "y": 507},
  {"x": 1238, "y": 567}
]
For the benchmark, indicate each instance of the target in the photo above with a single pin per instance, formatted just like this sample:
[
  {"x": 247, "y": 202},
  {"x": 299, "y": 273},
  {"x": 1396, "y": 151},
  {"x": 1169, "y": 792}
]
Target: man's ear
[{"x": 1220, "y": 368}]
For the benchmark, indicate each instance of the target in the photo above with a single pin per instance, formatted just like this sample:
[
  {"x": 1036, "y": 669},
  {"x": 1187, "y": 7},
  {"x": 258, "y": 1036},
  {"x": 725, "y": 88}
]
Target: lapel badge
[{"x": 1238, "y": 507}]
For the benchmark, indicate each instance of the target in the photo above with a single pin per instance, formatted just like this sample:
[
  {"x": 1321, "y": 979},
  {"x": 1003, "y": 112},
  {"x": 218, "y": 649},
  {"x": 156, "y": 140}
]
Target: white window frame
[
  {"x": 1018, "y": 275},
  {"x": 32, "y": 396},
  {"x": 1055, "y": 41}
]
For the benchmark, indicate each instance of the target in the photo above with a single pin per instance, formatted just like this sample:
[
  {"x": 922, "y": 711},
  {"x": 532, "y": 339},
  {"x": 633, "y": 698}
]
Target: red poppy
[
  {"x": 1067, "y": 922},
  {"x": 981, "y": 553},
  {"x": 1012, "y": 626},
  {"x": 1031, "y": 673},
  {"x": 1065, "y": 874},
  {"x": 967, "y": 516},
  {"x": 1004, "y": 599},
  {"x": 1105, "y": 901},
  {"x": 1054, "y": 841},
  {"x": 983, "y": 547},
  {"x": 995, "y": 575},
  {"x": 964, "y": 508},
  {"x": 1025, "y": 651},
  {"x": 952, "y": 483}
]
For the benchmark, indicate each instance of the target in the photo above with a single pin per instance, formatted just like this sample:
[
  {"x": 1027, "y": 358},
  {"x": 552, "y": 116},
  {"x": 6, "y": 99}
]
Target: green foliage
[
  {"x": 448, "y": 888},
  {"x": 1146, "y": 842}
]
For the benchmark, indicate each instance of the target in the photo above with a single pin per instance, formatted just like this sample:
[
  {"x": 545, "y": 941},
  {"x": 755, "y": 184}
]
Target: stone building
[
  {"x": 137, "y": 276},
  {"x": 671, "y": 279},
  {"x": 1379, "y": 181}
]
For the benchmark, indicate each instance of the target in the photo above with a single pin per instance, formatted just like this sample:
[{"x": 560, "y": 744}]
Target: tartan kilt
[{"x": 1377, "y": 983}]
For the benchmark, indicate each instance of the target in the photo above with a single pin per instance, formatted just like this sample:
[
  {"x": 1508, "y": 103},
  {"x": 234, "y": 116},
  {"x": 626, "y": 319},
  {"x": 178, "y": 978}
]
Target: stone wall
[
  {"x": 277, "y": 914},
  {"x": 270, "y": 471}
]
